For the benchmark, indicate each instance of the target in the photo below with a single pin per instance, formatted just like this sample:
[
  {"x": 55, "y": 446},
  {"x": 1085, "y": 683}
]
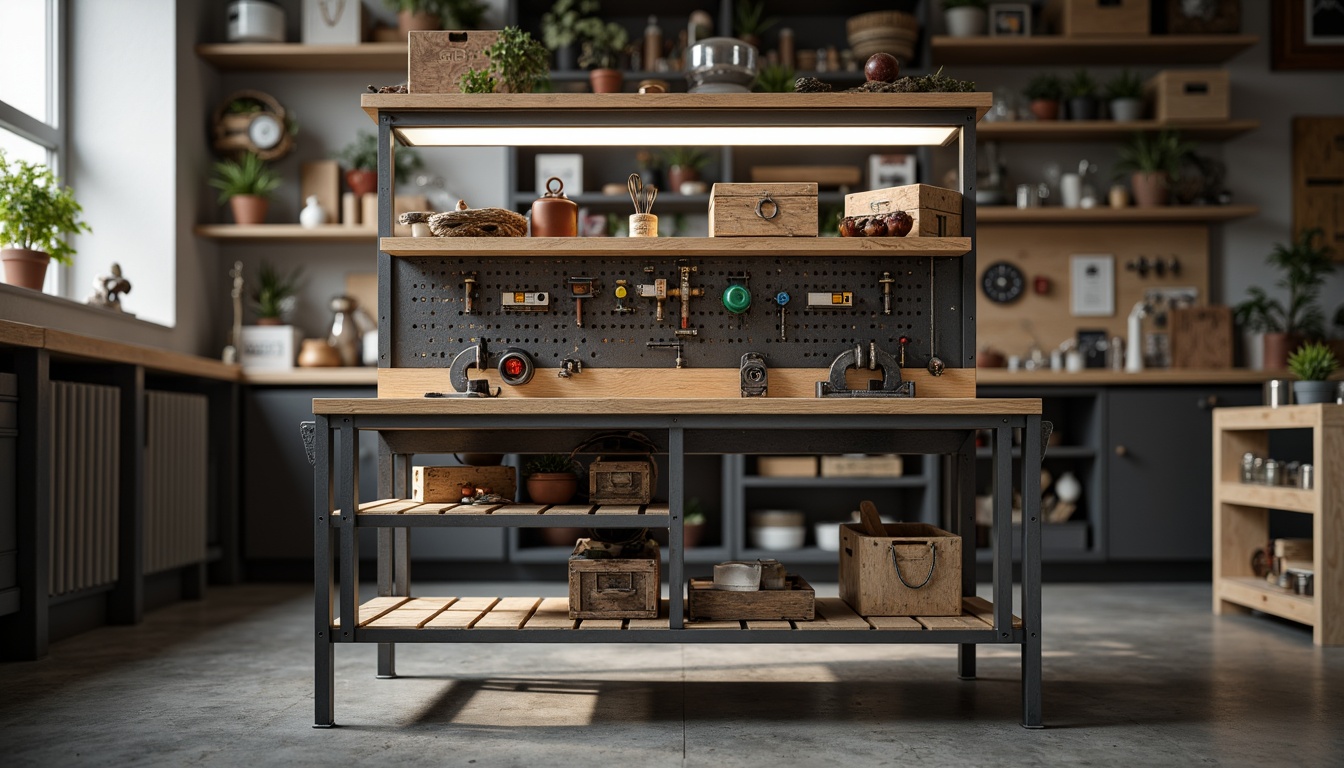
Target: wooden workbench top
[
  {"x": 63, "y": 344},
  {"x": 1098, "y": 377},
  {"x": 777, "y": 406}
]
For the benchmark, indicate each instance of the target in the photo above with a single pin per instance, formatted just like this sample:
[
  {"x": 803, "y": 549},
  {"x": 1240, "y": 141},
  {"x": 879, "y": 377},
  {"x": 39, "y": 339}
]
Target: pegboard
[{"x": 429, "y": 323}]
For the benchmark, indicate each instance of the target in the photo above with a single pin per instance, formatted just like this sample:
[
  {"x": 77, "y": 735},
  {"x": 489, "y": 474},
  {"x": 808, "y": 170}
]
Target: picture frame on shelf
[
  {"x": 1302, "y": 40},
  {"x": 566, "y": 167},
  {"x": 892, "y": 171},
  {"x": 1010, "y": 20}
]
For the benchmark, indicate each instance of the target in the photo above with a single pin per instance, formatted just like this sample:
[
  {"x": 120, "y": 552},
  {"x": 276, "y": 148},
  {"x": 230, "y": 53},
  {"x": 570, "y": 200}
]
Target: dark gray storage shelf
[
  {"x": 803, "y": 556},
  {"x": 1066, "y": 542},
  {"x": 558, "y": 555},
  {"x": 1053, "y": 452}
]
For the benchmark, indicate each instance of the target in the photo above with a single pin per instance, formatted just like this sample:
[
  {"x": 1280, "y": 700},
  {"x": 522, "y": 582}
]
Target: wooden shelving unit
[
  {"x": 1054, "y": 50},
  {"x": 1241, "y": 515},
  {"x": 1108, "y": 130},
  {"x": 297, "y": 57},
  {"x": 677, "y": 246},
  {"x": 1104, "y": 215},
  {"x": 287, "y": 233}
]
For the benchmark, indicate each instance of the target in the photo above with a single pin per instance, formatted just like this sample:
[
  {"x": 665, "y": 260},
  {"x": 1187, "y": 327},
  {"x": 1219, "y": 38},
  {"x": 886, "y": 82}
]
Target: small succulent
[
  {"x": 1313, "y": 362},
  {"x": 548, "y": 463}
]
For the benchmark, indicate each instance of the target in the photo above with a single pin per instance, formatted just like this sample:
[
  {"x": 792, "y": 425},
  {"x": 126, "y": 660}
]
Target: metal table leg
[
  {"x": 1031, "y": 573},
  {"x": 1002, "y": 530},
  {"x": 324, "y": 546},
  {"x": 676, "y": 496},
  {"x": 394, "y": 556},
  {"x": 348, "y": 498},
  {"x": 961, "y": 494}
]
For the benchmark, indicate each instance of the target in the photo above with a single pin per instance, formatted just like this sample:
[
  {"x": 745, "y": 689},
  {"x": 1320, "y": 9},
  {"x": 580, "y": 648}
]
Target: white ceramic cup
[{"x": 1071, "y": 190}]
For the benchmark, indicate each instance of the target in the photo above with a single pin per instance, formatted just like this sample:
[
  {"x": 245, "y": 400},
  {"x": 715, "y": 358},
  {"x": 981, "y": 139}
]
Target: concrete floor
[{"x": 1135, "y": 676}]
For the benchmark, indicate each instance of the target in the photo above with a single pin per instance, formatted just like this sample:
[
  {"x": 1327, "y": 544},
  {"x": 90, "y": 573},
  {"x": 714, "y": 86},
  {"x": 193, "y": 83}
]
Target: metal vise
[
  {"x": 471, "y": 357},
  {"x": 872, "y": 359}
]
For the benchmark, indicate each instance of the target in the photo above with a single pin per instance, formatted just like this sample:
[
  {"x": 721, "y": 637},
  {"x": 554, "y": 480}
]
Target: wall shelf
[
  {"x": 1003, "y": 214},
  {"x": 1055, "y": 50},
  {"x": 1108, "y": 130},
  {"x": 297, "y": 57},
  {"x": 288, "y": 233}
]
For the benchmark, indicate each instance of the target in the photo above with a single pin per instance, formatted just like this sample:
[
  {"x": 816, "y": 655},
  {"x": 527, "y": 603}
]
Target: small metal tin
[
  {"x": 1248, "y": 468},
  {"x": 1271, "y": 472},
  {"x": 1278, "y": 392},
  {"x": 1303, "y": 582},
  {"x": 1307, "y": 477}
]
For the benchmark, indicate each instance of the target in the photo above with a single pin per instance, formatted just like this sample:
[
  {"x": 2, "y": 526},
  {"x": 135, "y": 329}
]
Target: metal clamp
[
  {"x": 933, "y": 563},
  {"x": 760, "y": 206}
]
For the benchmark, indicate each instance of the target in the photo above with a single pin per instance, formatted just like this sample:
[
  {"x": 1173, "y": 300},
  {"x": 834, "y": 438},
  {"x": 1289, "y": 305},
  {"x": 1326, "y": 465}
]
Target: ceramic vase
[
  {"x": 313, "y": 215},
  {"x": 1126, "y": 110},
  {"x": 1045, "y": 109}
]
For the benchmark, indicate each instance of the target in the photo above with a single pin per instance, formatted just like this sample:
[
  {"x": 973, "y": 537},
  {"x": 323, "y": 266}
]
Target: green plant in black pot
[
  {"x": 276, "y": 294},
  {"x": 1152, "y": 163},
  {"x": 1124, "y": 95},
  {"x": 1305, "y": 267},
  {"x": 1082, "y": 93},
  {"x": 560, "y": 29},
  {"x": 1312, "y": 364},
  {"x": 1044, "y": 92}
]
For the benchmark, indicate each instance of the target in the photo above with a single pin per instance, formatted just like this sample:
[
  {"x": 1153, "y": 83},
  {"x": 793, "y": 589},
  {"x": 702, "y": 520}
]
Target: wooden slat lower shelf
[
  {"x": 1269, "y": 497},
  {"x": 406, "y": 513},
  {"x": 1256, "y": 593}
]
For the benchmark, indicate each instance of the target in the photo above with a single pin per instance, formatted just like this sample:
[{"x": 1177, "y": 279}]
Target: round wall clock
[
  {"x": 1003, "y": 283},
  {"x": 252, "y": 121}
]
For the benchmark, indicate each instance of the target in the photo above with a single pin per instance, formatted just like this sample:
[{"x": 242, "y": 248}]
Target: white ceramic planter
[{"x": 966, "y": 21}]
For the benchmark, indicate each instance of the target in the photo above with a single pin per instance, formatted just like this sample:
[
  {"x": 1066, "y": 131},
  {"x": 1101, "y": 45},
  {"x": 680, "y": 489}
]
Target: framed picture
[
  {"x": 1306, "y": 34},
  {"x": 1010, "y": 20},
  {"x": 891, "y": 171},
  {"x": 567, "y": 168}
]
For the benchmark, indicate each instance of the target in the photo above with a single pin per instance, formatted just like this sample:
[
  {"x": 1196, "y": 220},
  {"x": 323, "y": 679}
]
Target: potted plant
[
  {"x": 1125, "y": 95},
  {"x": 246, "y": 185},
  {"x": 1044, "y": 92},
  {"x": 1304, "y": 268},
  {"x": 750, "y": 22},
  {"x": 683, "y": 164},
  {"x": 1312, "y": 364},
  {"x": 965, "y": 18},
  {"x": 602, "y": 46},
  {"x": 275, "y": 295},
  {"x": 560, "y": 29},
  {"x": 1082, "y": 93},
  {"x": 419, "y": 15},
  {"x": 551, "y": 478},
  {"x": 517, "y": 62},
  {"x": 1153, "y": 162},
  {"x": 36, "y": 213},
  {"x": 360, "y": 157},
  {"x": 776, "y": 78}
]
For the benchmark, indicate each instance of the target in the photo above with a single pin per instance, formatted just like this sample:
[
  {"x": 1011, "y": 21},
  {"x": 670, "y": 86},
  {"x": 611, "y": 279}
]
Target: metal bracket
[
  {"x": 308, "y": 431},
  {"x": 873, "y": 358}
]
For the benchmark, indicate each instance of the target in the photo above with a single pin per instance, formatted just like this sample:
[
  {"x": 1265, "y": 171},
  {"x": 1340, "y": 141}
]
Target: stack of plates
[{"x": 891, "y": 32}]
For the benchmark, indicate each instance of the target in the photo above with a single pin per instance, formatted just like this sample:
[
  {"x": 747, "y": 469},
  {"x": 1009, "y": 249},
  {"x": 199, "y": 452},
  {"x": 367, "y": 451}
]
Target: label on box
[{"x": 269, "y": 347}]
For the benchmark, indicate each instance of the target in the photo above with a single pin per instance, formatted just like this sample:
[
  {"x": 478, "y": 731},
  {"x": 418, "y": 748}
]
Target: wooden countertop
[
  {"x": 1097, "y": 377},
  {"x": 777, "y": 406},
  {"x": 79, "y": 347}
]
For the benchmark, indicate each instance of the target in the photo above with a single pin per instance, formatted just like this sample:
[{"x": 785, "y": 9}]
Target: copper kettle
[{"x": 553, "y": 214}]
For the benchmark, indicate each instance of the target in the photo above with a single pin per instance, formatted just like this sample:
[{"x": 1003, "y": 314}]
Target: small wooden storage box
[
  {"x": 797, "y": 602},
  {"x": 436, "y": 485},
  {"x": 786, "y": 466},
  {"x": 763, "y": 210},
  {"x": 890, "y": 465},
  {"x": 437, "y": 60},
  {"x": 936, "y": 211},
  {"x": 620, "y": 482},
  {"x": 614, "y": 588},
  {"x": 1105, "y": 18},
  {"x": 871, "y": 586},
  {"x": 1195, "y": 94}
]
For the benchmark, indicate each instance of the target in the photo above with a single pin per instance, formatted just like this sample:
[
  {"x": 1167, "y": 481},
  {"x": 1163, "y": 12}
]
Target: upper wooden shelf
[
  {"x": 1107, "y": 130},
  {"x": 1047, "y": 50},
  {"x": 676, "y": 246},
  {"x": 332, "y": 377},
  {"x": 636, "y": 406},
  {"x": 297, "y": 57},
  {"x": 288, "y": 233},
  {"x": 1001, "y": 214}
]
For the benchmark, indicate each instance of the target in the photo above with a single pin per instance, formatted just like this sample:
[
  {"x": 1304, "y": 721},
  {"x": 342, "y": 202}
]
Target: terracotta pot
[
  {"x": 1150, "y": 189},
  {"x": 552, "y": 487},
  {"x": 1045, "y": 109},
  {"x": 561, "y": 537},
  {"x": 676, "y": 174},
  {"x": 408, "y": 22},
  {"x": 362, "y": 182},
  {"x": 692, "y": 534},
  {"x": 317, "y": 353},
  {"x": 25, "y": 268},
  {"x": 249, "y": 209},
  {"x": 606, "y": 80},
  {"x": 1277, "y": 348},
  {"x": 270, "y": 321}
]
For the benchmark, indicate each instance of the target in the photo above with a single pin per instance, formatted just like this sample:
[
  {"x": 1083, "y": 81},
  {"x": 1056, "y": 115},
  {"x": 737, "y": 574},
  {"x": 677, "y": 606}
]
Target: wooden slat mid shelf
[
  {"x": 1002, "y": 214},
  {"x": 405, "y": 513},
  {"x": 752, "y": 247},
  {"x": 288, "y": 233},
  {"x": 1039, "y": 50},
  {"x": 1107, "y": 130},
  {"x": 297, "y": 57}
]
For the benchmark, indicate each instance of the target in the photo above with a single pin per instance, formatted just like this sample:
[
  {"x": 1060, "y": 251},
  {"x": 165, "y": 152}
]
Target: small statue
[
  {"x": 230, "y": 355},
  {"x": 107, "y": 290}
]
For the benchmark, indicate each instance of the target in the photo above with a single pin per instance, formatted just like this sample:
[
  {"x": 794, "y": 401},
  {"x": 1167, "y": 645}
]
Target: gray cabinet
[{"x": 9, "y": 540}]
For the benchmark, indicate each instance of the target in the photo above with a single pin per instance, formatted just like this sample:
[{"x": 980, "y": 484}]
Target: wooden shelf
[
  {"x": 329, "y": 377},
  {"x": 404, "y": 513},
  {"x": 297, "y": 57},
  {"x": 288, "y": 233},
  {"x": 1255, "y": 593},
  {"x": 1054, "y": 50},
  {"x": 1107, "y": 130},
  {"x": 1001, "y": 214},
  {"x": 1105, "y": 377},
  {"x": 770, "y": 247},
  {"x": 1251, "y": 495}
]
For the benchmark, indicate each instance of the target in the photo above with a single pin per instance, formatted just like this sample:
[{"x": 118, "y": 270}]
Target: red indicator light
[{"x": 513, "y": 367}]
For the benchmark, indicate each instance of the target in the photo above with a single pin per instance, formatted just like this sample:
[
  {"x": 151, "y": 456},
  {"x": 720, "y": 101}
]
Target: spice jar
[{"x": 553, "y": 214}]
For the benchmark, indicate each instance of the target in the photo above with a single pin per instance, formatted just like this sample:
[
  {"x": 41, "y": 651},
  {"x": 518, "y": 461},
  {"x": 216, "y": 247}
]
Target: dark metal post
[
  {"x": 676, "y": 499},
  {"x": 347, "y": 497},
  {"x": 1031, "y": 573},
  {"x": 962, "y": 494},
  {"x": 324, "y": 545},
  {"x": 225, "y": 484},
  {"x": 387, "y": 480},
  {"x": 967, "y": 172},
  {"x": 1003, "y": 529},
  {"x": 126, "y": 603},
  {"x": 26, "y": 631}
]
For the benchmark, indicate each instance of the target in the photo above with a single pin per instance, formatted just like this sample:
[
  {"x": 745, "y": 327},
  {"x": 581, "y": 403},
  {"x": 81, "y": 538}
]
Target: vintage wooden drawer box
[
  {"x": 436, "y": 485},
  {"x": 936, "y": 210},
  {"x": 797, "y": 602},
  {"x": 1196, "y": 94},
  {"x": 928, "y": 582},
  {"x": 1105, "y": 18},
  {"x": 620, "y": 482},
  {"x": 763, "y": 210},
  {"x": 606, "y": 587},
  {"x": 437, "y": 60}
]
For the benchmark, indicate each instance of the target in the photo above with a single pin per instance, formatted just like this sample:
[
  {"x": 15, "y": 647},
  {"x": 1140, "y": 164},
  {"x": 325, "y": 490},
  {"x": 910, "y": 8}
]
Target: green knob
[{"x": 736, "y": 299}]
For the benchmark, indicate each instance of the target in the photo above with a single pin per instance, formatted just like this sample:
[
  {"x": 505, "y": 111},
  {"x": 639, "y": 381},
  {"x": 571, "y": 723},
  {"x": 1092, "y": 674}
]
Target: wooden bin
[
  {"x": 796, "y": 603},
  {"x": 437, "y": 60},
  {"x": 1194, "y": 94},
  {"x": 870, "y": 584},
  {"x": 615, "y": 588},
  {"x": 1105, "y": 18},
  {"x": 436, "y": 485},
  {"x": 936, "y": 210},
  {"x": 744, "y": 210},
  {"x": 620, "y": 482}
]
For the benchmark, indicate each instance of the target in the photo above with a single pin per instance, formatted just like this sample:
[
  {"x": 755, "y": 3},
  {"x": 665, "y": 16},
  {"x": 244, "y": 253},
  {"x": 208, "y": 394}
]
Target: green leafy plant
[
  {"x": 275, "y": 291},
  {"x": 1044, "y": 87},
  {"x": 750, "y": 19},
  {"x": 550, "y": 463},
  {"x": 560, "y": 25},
  {"x": 603, "y": 43},
  {"x": 1082, "y": 86},
  {"x": 1313, "y": 362},
  {"x": 455, "y": 14},
  {"x": 248, "y": 176},
  {"x": 1126, "y": 85},
  {"x": 1305, "y": 267},
  {"x": 1159, "y": 153},
  {"x": 519, "y": 62},
  {"x": 776, "y": 78},
  {"x": 685, "y": 157},
  {"x": 362, "y": 155},
  {"x": 36, "y": 212},
  {"x": 477, "y": 81}
]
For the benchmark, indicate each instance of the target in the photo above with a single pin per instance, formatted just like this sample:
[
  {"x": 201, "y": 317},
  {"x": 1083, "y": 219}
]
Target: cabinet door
[{"x": 1160, "y": 464}]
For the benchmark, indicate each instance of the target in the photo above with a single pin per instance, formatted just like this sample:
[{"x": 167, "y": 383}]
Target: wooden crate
[
  {"x": 444, "y": 484},
  {"x": 1201, "y": 337},
  {"x": 936, "y": 210},
  {"x": 617, "y": 588},
  {"x": 437, "y": 60},
  {"x": 733, "y": 210},
  {"x": 796, "y": 603},
  {"x": 620, "y": 482},
  {"x": 786, "y": 466},
  {"x": 1105, "y": 18},
  {"x": 1194, "y": 95},
  {"x": 889, "y": 465},
  {"x": 870, "y": 585}
]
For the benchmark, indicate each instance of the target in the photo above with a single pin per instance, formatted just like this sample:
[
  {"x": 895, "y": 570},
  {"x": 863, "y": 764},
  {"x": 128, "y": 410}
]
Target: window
[{"x": 31, "y": 115}]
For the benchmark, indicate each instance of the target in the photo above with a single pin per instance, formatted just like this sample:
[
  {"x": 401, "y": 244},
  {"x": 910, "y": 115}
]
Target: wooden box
[
  {"x": 1105, "y": 18},
  {"x": 795, "y": 603},
  {"x": 437, "y": 60},
  {"x": 786, "y": 466},
  {"x": 936, "y": 210},
  {"x": 441, "y": 485},
  {"x": 614, "y": 588},
  {"x": 871, "y": 586},
  {"x": 1194, "y": 94},
  {"x": 746, "y": 210},
  {"x": 1201, "y": 337},
  {"x": 620, "y": 482},
  {"x": 889, "y": 465}
]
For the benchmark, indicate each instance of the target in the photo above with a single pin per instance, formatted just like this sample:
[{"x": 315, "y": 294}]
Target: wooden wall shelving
[
  {"x": 1055, "y": 50},
  {"x": 1002, "y": 214},
  {"x": 297, "y": 57},
  {"x": 1108, "y": 130},
  {"x": 286, "y": 233}
]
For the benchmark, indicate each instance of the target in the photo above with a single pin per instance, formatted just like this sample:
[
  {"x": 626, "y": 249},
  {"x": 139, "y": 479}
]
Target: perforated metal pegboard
[{"x": 430, "y": 325}]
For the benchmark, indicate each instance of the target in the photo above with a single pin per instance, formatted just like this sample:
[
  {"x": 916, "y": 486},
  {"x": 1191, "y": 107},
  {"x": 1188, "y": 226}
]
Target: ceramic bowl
[
  {"x": 828, "y": 536},
  {"x": 777, "y": 538},
  {"x": 721, "y": 65}
]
